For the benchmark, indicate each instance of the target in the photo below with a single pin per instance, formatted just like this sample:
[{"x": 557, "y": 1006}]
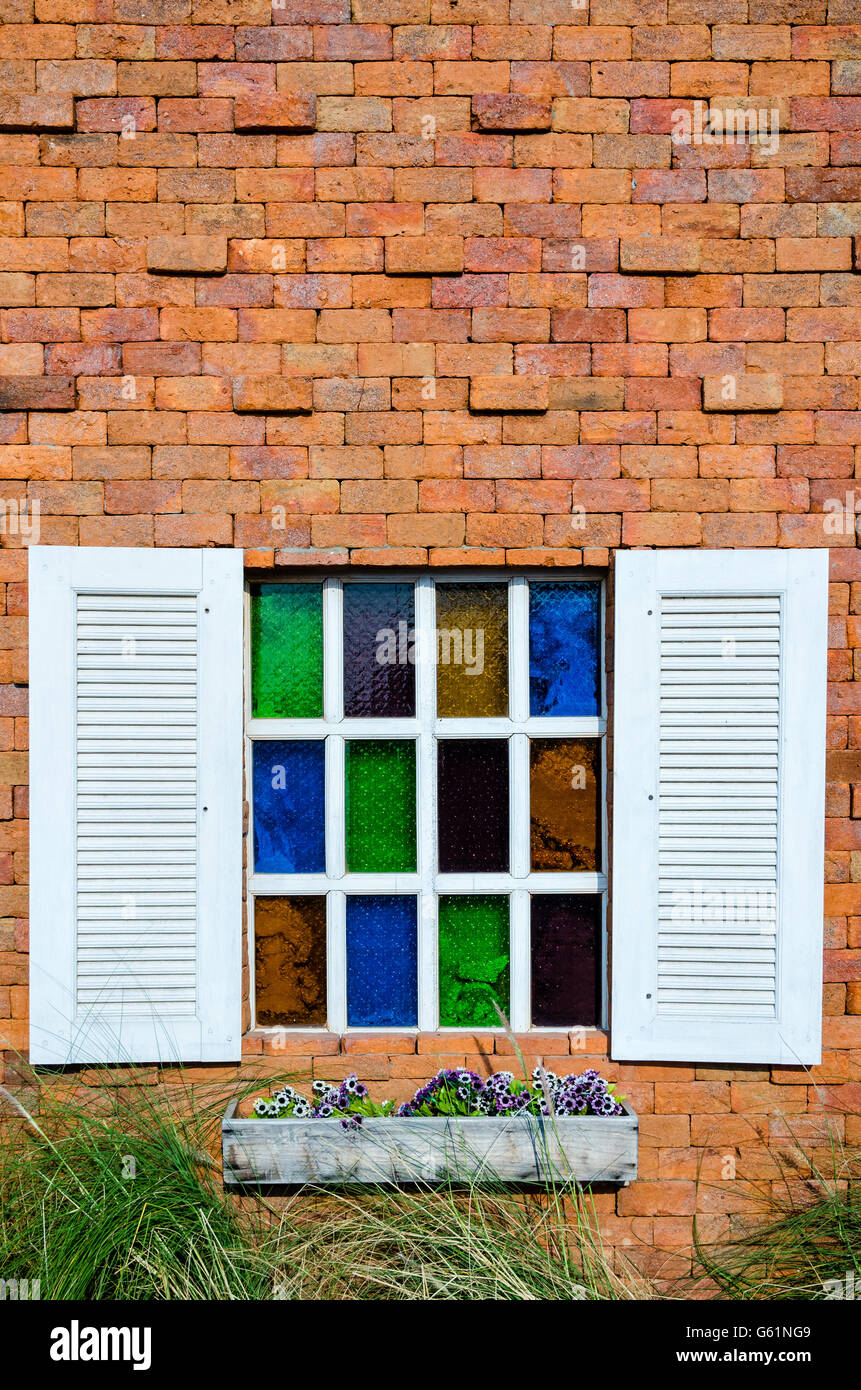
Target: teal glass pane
[{"x": 287, "y": 651}]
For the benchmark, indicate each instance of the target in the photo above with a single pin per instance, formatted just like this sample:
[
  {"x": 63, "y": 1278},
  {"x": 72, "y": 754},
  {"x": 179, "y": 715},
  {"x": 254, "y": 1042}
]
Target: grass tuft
[
  {"x": 118, "y": 1196},
  {"x": 114, "y": 1192},
  {"x": 808, "y": 1233}
]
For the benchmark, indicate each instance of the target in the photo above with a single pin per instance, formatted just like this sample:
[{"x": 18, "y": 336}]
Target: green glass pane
[
  {"x": 287, "y": 651},
  {"x": 474, "y": 960},
  {"x": 381, "y": 806}
]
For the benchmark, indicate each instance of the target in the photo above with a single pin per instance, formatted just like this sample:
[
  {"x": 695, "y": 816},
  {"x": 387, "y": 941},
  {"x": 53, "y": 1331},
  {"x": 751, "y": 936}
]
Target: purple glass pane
[
  {"x": 379, "y": 661},
  {"x": 566, "y": 960},
  {"x": 472, "y": 805}
]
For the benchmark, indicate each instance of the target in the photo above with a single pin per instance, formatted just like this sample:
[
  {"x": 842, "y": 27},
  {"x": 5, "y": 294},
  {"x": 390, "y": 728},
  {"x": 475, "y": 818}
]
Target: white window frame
[{"x": 426, "y": 728}]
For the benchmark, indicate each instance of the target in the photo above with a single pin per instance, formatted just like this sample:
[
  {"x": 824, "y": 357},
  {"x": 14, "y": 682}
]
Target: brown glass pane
[
  {"x": 564, "y": 789},
  {"x": 290, "y": 961},
  {"x": 566, "y": 960},
  {"x": 472, "y": 650}
]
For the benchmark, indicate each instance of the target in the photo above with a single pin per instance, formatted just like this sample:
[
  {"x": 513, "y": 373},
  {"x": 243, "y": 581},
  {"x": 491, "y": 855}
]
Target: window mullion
[
  {"x": 335, "y": 816},
  {"x": 426, "y": 792},
  {"x": 333, "y": 714},
  {"x": 333, "y": 651},
  {"x": 518, "y": 649},
  {"x": 336, "y": 961},
  {"x": 518, "y": 698},
  {"x": 520, "y": 936}
]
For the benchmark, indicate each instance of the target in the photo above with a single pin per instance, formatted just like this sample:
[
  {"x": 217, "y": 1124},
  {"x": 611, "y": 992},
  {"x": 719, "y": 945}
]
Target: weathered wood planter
[{"x": 522, "y": 1149}]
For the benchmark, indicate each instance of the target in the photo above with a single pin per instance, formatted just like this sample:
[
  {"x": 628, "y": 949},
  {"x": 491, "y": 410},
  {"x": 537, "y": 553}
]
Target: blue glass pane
[
  {"x": 289, "y": 826},
  {"x": 382, "y": 958},
  {"x": 564, "y": 662}
]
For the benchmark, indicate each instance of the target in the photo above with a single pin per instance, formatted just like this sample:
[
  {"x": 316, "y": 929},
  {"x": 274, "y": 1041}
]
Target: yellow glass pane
[{"x": 472, "y": 650}]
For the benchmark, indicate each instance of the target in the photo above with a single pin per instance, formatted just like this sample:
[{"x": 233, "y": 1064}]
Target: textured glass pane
[
  {"x": 472, "y": 805},
  {"x": 289, "y": 829},
  {"x": 564, "y": 663},
  {"x": 379, "y": 665},
  {"x": 290, "y": 961},
  {"x": 382, "y": 956},
  {"x": 287, "y": 651},
  {"x": 472, "y": 650},
  {"x": 381, "y": 806},
  {"x": 564, "y": 798},
  {"x": 566, "y": 960},
  {"x": 474, "y": 959}
]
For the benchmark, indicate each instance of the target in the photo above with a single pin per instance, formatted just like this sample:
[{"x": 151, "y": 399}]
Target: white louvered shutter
[
  {"x": 135, "y": 805},
  {"x": 718, "y": 805}
]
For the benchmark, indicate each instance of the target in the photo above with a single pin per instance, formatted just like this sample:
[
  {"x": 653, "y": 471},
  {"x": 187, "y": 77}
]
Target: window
[
  {"x": 425, "y": 765},
  {"x": 427, "y": 833}
]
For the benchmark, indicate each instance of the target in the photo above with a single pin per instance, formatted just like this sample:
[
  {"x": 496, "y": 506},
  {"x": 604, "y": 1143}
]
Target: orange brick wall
[{"x": 430, "y": 283}]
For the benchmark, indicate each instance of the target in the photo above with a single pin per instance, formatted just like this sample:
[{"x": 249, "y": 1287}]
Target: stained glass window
[
  {"x": 287, "y": 651},
  {"x": 564, "y": 651},
  {"x": 472, "y": 805},
  {"x": 472, "y": 650},
  {"x": 474, "y": 960},
  {"x": 565, "y": 953},
  {"x": 381, "y": 806},
  {"x": 382, "y": 954},
  {"x": 290, "y": 961},
  {"x": 379, "y": 660},
  {"x": 564, "y": 788},
  {"x": 289, "y": 819},
  {"x": 429, "y": 851}
]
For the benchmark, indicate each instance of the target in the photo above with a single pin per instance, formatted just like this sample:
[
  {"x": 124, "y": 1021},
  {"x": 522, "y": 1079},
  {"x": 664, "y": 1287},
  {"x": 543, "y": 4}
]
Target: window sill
[{"x": 546, "y": 1042}]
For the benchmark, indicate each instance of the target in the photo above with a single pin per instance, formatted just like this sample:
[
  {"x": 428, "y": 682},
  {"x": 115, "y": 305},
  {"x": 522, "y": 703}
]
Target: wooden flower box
[{"x": 522, "y": 1149}]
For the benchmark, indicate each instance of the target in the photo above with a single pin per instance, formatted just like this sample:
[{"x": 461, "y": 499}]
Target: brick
[
  {"x": 37, "y": 112},
  {"x": 747, "y": 391},
  {"x": 423, "y": 255},
  {"x": 669, "y": 1198},
  {"x": 669, "y": 528},
  {"x": 667, "y": 325},
  {"x": 625, "y": 291},
  {"x": 810, "y": 254},
  {"x": 659, "y": 255},
  {"x": 274, "y": 393},
  {"x": 820, "y": 325},
  {"x": 824, "y": 113},
  {"x": 510, "y": 111},
  {"x": 37, "y": 393},
  {"x": 188, "y": 255},
  {"x": 328, "y": 531},
  {"x": 271, "y": 112},
  {"x": 514, "y": 393},
  {"x": 494, "y": 530}
]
